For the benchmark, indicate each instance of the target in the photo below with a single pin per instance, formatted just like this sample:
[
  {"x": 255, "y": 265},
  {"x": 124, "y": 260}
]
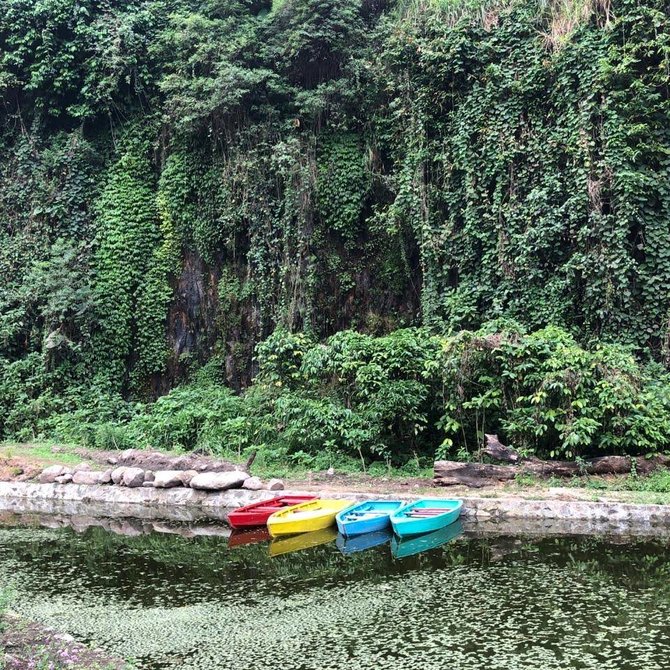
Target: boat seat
[{"x": 426, "y": 512}]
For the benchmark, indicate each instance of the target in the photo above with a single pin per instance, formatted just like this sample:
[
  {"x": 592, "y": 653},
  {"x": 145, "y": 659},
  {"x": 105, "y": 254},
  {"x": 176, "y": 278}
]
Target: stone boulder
[
  {"x": 80, "y": 467},
  {"x": 187, "y": 476},
  {"x": 253, "y": 484},
  {"x": 49, "y": 474},
  {"x": 165, "y": 479},
  {"x": 87, "y": 477},
  {"x": 106, "y": 477},
  {"x": 275, "y": 485},
  {"x": 117, "y": 474},
  {"x": 64, "y": 479},
  {"x": 133, "y": 477},
  {"x": 219, "y": 481}
]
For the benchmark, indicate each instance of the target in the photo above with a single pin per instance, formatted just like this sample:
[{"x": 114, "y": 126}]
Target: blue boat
[
  {"x": 417, "y": 543},
  {"x": 425, "y": 516},
  {"x": 351, "y": 545},
  {"x": 366, "y": 517}
]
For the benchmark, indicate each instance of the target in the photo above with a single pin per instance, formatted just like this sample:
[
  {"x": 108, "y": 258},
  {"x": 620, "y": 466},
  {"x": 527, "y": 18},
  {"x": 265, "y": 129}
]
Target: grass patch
[{"x": 41, "y": 452}]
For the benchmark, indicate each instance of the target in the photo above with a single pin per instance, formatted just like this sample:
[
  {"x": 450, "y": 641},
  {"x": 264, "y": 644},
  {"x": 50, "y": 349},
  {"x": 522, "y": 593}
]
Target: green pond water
[{"x": 502, "y": 603}]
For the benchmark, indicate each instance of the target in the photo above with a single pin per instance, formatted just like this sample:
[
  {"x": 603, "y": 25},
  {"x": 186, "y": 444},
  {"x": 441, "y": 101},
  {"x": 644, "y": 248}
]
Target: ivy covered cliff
[{"x": 183, "y": 179}]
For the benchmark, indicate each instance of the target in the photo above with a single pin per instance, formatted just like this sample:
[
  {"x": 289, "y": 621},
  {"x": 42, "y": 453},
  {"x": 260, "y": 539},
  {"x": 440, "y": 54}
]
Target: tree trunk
[{"x": 451, "y": 473}]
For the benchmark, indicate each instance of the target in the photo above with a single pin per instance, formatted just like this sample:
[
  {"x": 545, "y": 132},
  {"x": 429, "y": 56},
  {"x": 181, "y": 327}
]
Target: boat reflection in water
[
  {"x": 291, "y": 543},
  {"x": 239, "y": 538},
  {"x": 350, "y": 545},
  {"x": 419, "y": 543}
]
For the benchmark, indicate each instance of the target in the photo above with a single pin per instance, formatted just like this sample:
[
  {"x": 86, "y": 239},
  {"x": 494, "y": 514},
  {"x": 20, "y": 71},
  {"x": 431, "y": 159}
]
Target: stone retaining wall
[{"x": 183, "y": 504}]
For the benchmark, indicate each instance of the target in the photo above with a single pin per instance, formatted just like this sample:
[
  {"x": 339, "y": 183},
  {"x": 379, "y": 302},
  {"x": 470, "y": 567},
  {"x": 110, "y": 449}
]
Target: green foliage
[
  {"x": 66, "y": 57},
  {"x": 341, "y": 184},
  {"x": 206, "y": 417},
  {"x": 183, "y": 180},
  {"x": 545, "y": 394},
  {"x": 355, "y": 394},
  {"x": 656, "y": 482},
  {"x": 130, "y": 266},
  {"x": 517, "y": 171}
]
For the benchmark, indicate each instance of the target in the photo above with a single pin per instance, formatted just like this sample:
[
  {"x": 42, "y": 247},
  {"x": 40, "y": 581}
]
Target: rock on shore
[
  {"x": 134, "y": 477},
  {"x": 219, "y": 481}
]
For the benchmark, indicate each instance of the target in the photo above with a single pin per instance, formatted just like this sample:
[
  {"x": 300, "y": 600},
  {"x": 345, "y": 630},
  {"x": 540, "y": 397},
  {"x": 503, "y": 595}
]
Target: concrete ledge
[{"x": 184, "y": 504}]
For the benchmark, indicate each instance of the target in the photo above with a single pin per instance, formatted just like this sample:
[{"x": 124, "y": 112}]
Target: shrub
[{"x": 545, "y": 394}]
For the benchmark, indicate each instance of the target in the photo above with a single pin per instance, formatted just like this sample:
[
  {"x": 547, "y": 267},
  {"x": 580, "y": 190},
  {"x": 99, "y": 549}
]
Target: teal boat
[
  {"x": 351, "y": 545},
  {"x": 418, "y": 543},
  {"x": 367, "y": 517},
  {"x": 425, "y": 516}
]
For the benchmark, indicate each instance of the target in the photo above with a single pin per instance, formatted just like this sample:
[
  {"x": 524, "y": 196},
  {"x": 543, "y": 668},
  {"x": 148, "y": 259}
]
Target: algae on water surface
[{"x": 504, "y": 604}]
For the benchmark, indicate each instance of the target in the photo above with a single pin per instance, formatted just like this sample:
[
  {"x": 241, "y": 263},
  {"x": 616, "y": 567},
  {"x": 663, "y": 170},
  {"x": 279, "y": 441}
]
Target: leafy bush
[
  {"x": 545, "y": 394},
  {"x": 203, "y": 416},
  {"x": 355, "y": 394}
]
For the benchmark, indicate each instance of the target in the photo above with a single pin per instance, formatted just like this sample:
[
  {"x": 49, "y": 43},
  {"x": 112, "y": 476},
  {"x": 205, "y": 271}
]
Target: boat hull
[
  {"x": 425, "y": 516},
  {"x": 367, "y": 517},
  {"x": 257, "y": 514},
  {"x": 306, "y": 517}
]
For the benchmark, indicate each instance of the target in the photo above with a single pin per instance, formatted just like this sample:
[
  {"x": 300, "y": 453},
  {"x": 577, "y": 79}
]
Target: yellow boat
[
  {"x": 305, "y": 517},
  {"x": 288, "y": 544}
]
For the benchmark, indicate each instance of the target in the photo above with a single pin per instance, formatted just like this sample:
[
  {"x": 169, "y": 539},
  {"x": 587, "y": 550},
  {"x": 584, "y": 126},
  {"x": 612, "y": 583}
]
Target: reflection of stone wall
[{"x": 127, "y": 526}]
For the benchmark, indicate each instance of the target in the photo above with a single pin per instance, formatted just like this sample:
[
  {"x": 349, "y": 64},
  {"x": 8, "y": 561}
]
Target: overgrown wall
[{"x": 181, "y": 177}]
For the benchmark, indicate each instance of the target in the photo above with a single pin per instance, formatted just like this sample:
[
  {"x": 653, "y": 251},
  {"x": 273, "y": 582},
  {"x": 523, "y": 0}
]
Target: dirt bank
[{"x": 26, "y": 644}]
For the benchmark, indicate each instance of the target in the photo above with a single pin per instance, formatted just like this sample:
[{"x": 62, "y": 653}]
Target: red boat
[{"x": 258, "y": 513}]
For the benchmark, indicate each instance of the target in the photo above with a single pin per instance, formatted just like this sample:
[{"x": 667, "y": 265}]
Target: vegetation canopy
[{"x": 336, "y": 228}]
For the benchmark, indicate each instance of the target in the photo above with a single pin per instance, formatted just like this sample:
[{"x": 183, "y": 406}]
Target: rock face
[
  {"x": 275, "y": 485},
  {"x": 49, "y": 474},
  {"x": 133, "y": 477},
  {"x": 165, "y": 479},
  {"x": 253, "y": 484},
  {"x": 219, "y": 481},
  {"x": 86, "y": 477}
]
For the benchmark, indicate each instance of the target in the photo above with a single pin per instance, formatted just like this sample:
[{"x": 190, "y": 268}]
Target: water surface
[{"x": 501, "y": 603}]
